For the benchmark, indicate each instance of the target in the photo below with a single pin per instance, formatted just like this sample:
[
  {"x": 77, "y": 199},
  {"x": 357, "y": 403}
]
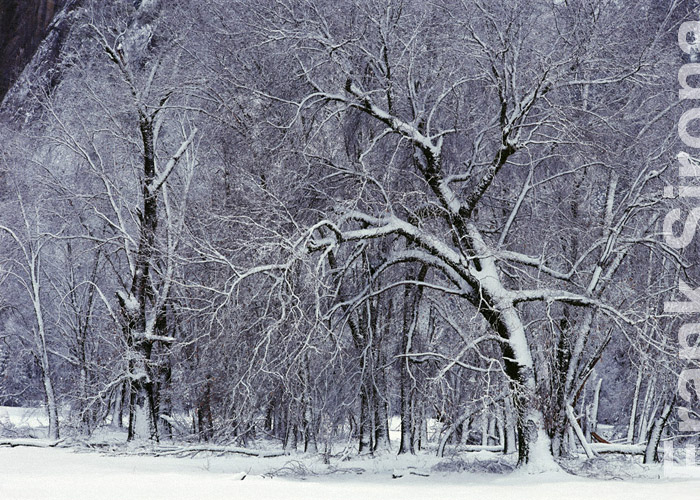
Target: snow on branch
[
  {"x": 575, "y": 299},
  {"x": 128, "y": 302},
  {"x": 156, "y": 184},
  {"x": 383, "y": 226},
  {"x": 404, "y": 128},
  {"x": 539, "y": 263}
]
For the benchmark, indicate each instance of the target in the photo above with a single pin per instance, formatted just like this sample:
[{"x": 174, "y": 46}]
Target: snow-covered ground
[
  {"x": 55, "y": 473},
  {"x": 77, "y": 474}
]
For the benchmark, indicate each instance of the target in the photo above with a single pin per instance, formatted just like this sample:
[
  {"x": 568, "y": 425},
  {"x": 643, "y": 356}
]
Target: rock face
[{"x": 23, "y": 25}]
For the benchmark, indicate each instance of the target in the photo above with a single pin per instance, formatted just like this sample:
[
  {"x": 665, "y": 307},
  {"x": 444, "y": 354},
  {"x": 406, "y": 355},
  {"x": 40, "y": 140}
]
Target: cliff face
[{"x": 23, "y": 25}]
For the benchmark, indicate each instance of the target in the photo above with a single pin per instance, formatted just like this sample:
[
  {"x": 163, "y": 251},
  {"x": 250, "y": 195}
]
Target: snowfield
[{"x": 56, "y": 473}]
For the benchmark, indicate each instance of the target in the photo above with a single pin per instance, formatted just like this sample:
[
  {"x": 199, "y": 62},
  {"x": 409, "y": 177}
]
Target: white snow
[
  {"x": 38, "y": 473},
  {"x": 130, "y": 303},
  {"x": 77, "y": 474}
]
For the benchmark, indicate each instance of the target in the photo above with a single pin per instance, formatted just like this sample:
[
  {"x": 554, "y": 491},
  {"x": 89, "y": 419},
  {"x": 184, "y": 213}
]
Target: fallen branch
[
  {"x": 599, "y": 438},
  {"x": 217, "y": 449},
  {"x": 33, "y": 443},
  {"x": 579, "y": 433}
]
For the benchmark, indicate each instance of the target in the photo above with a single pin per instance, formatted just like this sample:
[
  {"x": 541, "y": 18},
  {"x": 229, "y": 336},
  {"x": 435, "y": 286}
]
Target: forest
[{"x": 365, "y": 228}]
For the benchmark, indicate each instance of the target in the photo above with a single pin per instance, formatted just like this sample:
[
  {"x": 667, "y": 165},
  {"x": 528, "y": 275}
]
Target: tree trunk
[
  {"x": 118, "y": 412},
  {"x": 484, "y": 429},
  {"x": 51, "y": 408},
  {"x": 291, "y": 439},
  {"x": 593, "y": 423},
  {"x": 406, "y": 444},
  {"x": 43, "y": 355},
  {"x": 509, "y": 425},
  {"x": 633, "y": 413},
  {"x": 381, "y": 430},
  {"x": 652, "y": 449},
  {"x": 643, "y": 427},
  {"x": 500, "y": 433},
  {"x": 420, "y": 427},
  {"x": 205, "y": 422},
  {"x": 85, "y": 420},
  {"x": 381, "y": 416},
  {"x": 142, "y": 418},
  {"x": 411, "y": 304},
  {"x": 491, "y": 437},
  {"x": 309, "y": 426},
  {"x": 534, "y": 445},
  {"x": 365, "y": 431}
]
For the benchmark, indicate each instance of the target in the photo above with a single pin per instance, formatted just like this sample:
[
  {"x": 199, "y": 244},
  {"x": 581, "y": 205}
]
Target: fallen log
[
  {"x": 480, "y": 447},
  {"x": 628, "y": 449}
]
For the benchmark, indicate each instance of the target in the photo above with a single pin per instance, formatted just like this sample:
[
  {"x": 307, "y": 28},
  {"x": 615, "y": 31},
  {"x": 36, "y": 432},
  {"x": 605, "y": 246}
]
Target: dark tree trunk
[
  {"x": 412, "y": 298},
  {"x": 651, "y": 453},
  {"x": 365, "y": 429},
  {"x": 205, "y": 423}
]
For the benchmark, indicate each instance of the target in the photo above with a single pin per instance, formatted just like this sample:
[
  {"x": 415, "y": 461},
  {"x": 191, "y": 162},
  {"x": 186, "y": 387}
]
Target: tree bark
[{"x": 652, "y": 449}]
